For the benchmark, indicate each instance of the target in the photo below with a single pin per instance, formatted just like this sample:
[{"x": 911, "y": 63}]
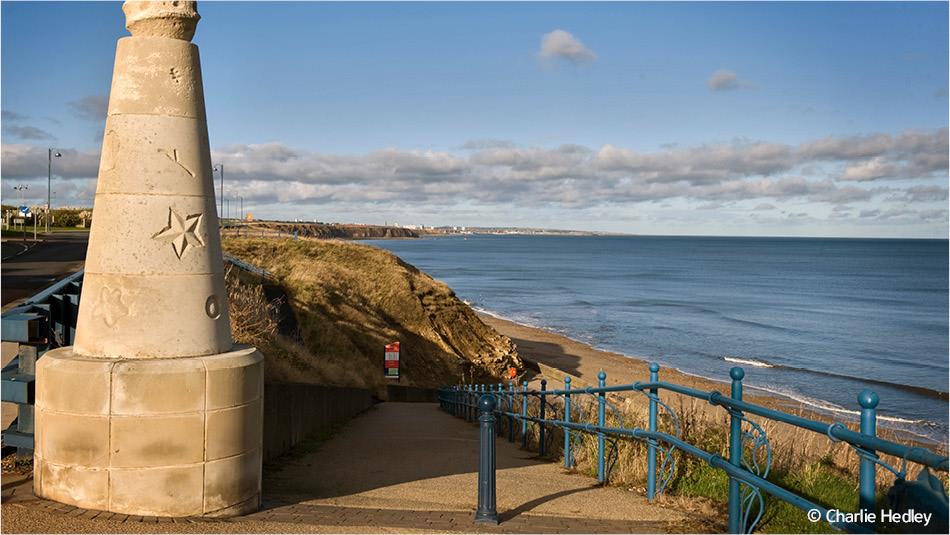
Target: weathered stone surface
[
  {"x": 149, "y": 441},
  {"x": 161, "y": 386},
  {"x": 153, "y": 412},
  {"x": 152, "y": 154},
  {"x": 234, "y": 431},
  {"x": 73, "y": 439},
  {"x": 57, "y": 379},
  {"x": 165, "y": 491},
  {"x": 157, "y": 76},
  {"x": 118, "y": 302},
  {"x": 159, "y": 449},
  {"x": 154, "y": 259},
  {"x": 176, "y": 242},
  {"x": 173, "y": 19},
  {"x": 223, "y": 489},
  {"x": 83, "y": 487},
  {"x": 234, "y": 378}
]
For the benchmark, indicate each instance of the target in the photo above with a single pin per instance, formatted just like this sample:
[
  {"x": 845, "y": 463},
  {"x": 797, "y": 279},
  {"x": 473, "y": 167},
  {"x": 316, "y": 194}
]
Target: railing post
[
  {"x": 26, "y": 364},
  {"x": 486, "y": 513},
  {"x": 473, "y": 402},
  {"x": 567, "y": 418},
  {"x": 524, "y": 416},
  {"x": 481, "y": 390},
  {"x": 468, "y": 400},
  {"x": 511, "y": 409},
  {"x": 601, "y": 421},
  {"x": 544, "y": 385},
  {"x": 500, "y": 423},
  {"x": 867, "y": 489},
  {"x": 735, "y": 453},
  {"x": 651, "y": 451}
]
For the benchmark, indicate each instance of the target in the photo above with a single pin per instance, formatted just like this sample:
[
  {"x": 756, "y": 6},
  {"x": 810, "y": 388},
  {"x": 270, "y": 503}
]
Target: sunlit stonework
[{"x": 181, "y": 232}]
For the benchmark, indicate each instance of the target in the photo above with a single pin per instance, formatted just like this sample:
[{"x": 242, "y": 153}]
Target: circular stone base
[{"x": 155, "y": 437}]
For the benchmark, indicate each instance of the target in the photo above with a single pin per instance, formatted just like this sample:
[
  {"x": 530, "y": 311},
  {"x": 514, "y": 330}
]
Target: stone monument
[{"x": 153, "y": 411}]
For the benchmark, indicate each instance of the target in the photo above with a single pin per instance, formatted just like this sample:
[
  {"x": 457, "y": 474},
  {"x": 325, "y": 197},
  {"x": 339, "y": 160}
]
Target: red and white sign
[{"x": 391, "y": 361}]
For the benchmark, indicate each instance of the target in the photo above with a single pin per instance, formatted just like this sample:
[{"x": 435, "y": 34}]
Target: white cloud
[
  {"x": 565, "y": 177},
  {"x": 872, "y": 169},
  {"x": 22, "y": 161},
  {"x": 723, "y": 80},
  {"x": 563, "y": 45}
]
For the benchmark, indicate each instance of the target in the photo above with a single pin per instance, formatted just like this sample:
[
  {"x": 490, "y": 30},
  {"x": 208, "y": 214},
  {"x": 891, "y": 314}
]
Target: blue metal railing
[
  {"x": 748, "y": 471},
  {"x": 45, "y": 321}
]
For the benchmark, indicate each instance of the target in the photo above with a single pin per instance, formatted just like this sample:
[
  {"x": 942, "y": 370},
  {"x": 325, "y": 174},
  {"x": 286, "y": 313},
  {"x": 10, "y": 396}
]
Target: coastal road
[{"x": 58, "y": 255}]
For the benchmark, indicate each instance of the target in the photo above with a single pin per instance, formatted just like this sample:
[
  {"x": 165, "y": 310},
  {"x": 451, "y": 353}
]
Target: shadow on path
[{"x": 528, "y": 506}]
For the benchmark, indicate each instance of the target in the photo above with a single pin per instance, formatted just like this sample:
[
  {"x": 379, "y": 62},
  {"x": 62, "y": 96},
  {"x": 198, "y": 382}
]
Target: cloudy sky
[{"x": 737, "y": 119}]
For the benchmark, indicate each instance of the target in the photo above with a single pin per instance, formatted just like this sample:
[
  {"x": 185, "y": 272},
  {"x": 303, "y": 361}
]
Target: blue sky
[{"x": 825, "y": 119}]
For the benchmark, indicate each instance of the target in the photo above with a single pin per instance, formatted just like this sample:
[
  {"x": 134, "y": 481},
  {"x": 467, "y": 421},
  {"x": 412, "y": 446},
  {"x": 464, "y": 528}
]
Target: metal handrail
[
  {"x": 748, "y": 477},
  {"x": 835, "y": 430},
  {"x": 54, "y": 326}
]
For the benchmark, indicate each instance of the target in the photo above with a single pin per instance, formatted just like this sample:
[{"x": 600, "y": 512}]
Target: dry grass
[
  {"x": 253, "y": 317},
  {"x": 350, "y": 300},
  {"x": 802, "y": 461}
]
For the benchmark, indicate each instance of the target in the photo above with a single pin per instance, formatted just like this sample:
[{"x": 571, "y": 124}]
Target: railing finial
[
  {"x": 868, "y": 399},
  {"x": 737, "y": 373}
]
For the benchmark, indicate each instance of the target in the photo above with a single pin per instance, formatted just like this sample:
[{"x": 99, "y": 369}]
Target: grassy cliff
[{"x": 349, "y": 300}]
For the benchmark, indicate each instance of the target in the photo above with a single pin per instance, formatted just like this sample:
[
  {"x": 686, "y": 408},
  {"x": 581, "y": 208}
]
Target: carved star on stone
[{"x": 181, "y": 232}]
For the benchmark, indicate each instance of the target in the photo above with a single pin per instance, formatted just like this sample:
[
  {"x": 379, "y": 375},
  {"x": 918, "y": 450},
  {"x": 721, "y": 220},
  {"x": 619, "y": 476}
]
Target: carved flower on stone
[{"x": 110, "y": 306}]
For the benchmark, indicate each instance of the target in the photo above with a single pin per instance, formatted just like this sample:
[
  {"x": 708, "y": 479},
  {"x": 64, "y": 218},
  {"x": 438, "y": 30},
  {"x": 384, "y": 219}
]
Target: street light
[
  {"x": 20, "y": 189},
  {"x": 49, "y": 179},
  {"x": 220, "y": 167},
  {"x": 242, "y": 207}
]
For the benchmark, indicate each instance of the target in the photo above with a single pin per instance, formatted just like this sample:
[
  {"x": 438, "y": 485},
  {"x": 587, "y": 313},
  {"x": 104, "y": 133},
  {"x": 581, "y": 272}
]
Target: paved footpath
[{"x": 399, "y": 467}]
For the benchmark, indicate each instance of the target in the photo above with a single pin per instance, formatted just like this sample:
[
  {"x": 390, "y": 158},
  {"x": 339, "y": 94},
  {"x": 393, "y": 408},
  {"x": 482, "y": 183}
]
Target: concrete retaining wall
[{"x": 292, "y": 411}]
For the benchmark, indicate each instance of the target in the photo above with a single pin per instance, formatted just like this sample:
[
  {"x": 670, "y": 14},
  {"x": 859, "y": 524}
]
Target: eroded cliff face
[{"x": 350, "y": 300}]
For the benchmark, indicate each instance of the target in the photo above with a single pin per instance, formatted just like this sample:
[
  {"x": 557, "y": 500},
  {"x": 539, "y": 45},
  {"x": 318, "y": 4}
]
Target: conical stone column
[{"x": 153, "y": 411}]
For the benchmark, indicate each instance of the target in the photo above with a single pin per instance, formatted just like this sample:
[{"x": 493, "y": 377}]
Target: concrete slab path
[{"x": 399, "y": 467}]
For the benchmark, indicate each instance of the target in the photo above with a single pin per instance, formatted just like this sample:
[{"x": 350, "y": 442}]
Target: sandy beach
[
  {"x": 554, "y": 352},
  {"x": 557, "y": 355}
]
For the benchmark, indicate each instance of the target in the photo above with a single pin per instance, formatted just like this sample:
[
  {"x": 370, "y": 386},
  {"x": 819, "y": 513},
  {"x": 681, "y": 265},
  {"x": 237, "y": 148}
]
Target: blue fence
[
  {"x": 750, "y": 456},
  {"x": 42, "y": 322}
]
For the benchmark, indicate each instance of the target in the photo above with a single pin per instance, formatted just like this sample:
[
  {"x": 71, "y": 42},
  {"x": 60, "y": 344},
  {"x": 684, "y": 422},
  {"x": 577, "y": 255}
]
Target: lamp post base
[{"x": 486, "y": 518}]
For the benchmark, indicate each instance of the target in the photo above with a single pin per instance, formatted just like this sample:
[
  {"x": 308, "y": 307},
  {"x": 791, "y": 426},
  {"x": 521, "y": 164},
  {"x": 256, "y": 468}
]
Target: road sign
[
  {"x": 25, "y": 211},
  {"x": 391, "y": 361}
]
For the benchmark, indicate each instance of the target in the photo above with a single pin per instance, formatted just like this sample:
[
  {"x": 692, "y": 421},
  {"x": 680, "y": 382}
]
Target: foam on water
[{"x": 748, "y": 362}]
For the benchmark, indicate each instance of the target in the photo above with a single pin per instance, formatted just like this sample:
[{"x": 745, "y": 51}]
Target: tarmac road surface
[{"x": 58, "y": 255}]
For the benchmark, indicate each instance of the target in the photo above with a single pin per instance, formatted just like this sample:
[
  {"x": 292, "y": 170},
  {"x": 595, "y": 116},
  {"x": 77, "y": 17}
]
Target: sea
[{"x": 813, "y": 320}]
